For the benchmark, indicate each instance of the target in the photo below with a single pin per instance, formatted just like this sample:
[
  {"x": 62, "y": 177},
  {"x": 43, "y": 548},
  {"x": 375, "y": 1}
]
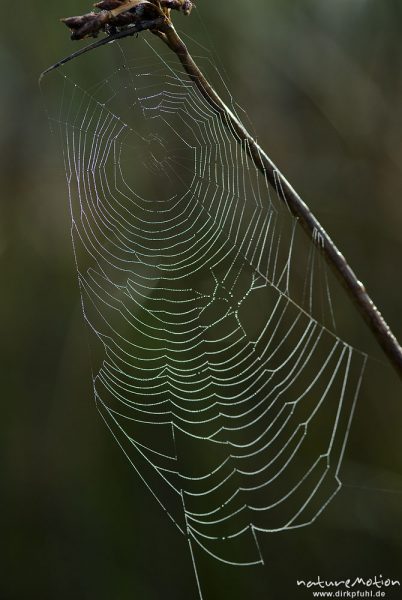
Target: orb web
[{"x": 217, "y": 363}]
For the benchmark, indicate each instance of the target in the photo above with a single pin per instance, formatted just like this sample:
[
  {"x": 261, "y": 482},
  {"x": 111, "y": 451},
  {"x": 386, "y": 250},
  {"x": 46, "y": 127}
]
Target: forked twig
[{"x": 122, "y": 18}]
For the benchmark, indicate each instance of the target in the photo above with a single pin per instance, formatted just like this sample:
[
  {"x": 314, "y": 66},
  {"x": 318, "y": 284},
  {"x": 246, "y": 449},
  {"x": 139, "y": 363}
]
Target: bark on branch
[{"x": 116, "y": 14}]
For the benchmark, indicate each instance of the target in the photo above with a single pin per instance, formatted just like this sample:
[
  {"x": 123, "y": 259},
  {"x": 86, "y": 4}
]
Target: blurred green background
[{"x": 321, "y": 81}]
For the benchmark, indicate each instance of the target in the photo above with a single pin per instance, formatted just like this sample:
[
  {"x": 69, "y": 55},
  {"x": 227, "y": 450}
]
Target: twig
[
  {"x": 133, "y": 30},
  {"x": 300, "y": 210},
  {"x": 158, "y": 22}
]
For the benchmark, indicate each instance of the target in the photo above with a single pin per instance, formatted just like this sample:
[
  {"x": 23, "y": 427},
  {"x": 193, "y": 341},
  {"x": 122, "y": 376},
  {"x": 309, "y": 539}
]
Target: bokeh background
[{"x": 321, "y": 82}]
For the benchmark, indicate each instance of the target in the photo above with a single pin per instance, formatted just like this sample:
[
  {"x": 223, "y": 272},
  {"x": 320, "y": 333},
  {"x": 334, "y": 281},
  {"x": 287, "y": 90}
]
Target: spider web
[{"x": 216, "y": 360}]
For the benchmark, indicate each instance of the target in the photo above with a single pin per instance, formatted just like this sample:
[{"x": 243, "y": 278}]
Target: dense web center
[{"x": 217, "y": 363}]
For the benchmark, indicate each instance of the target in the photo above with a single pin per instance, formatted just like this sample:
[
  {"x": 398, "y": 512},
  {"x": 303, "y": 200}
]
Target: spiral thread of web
[{"x": 217, "y": 364}]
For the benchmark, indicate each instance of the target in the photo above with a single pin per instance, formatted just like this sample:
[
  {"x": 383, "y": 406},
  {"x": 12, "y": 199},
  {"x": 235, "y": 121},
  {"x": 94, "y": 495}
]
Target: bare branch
[
  {"x": 121, "y": 18},
  {"x": 300, "y": 210}
]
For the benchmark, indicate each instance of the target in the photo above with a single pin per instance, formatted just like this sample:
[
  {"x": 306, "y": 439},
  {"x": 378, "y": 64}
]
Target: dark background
[{"x": 321, "y": 82}]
